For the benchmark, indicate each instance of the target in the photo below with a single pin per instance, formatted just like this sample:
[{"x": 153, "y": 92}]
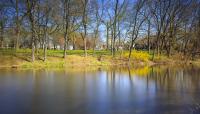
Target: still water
[{"x": 148, "y": 90}]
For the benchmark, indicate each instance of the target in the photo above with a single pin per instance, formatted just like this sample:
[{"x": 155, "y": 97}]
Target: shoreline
[{"x": 90, "y": 61}]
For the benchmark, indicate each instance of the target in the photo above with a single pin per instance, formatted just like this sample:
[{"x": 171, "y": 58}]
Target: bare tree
[
  {"x": 30, "y": 7},
  {"x": 159, "y": 10},
  {"x": 98, "y": 12},
  {"x": 3, "y": 20},
  {"x": 136, "y": 23},
  {"x": 67, "y": 19},
  {"x": 47, "y": 10},
  {"x": 84, "y": 23},
  {"x": 17, "y": 25}
]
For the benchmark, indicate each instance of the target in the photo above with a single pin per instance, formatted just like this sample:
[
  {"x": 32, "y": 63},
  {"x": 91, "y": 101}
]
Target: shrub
[{"x": 138, "y": 55}]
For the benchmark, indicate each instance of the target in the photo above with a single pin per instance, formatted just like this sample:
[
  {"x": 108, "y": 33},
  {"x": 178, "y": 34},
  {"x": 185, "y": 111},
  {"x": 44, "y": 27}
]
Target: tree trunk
[
  {"x": 33, "y": 40},
  {"x": 66, "y": 10},
  {"x": 18, "y": 27},
  {"x": 85, "y": 43},
  {"x": 107, "y": 36},
  {"x": 119, "y": 37},
  {"x": 45, "y": 42},
  {"x": 33, "y": 43},
  {"x": 112, "y": 38},
  {"x": 1, "y": 35},
  {"x": 158, "y": 43},
  {"x": 65, "y": 46},
  {"x": 74, "y": 43},
  {"x": 31, "y": 10},
  {"x": 45, "y": 49},
  {"x": 85, "y": 40},
  {"x": 95, "y": 38},
  {"x": 148, "y": 37},
  {"x": 115, "y": 27},
  {"x": 84, "y": 21}
]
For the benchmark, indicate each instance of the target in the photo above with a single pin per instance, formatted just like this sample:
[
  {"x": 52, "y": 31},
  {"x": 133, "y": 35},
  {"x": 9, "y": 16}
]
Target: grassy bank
[{"x": 22, "y": 59}]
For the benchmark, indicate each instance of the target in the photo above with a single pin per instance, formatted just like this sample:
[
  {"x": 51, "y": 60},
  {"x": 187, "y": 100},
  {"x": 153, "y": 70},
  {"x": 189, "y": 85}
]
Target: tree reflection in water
[{"x": 160, "y": 89}]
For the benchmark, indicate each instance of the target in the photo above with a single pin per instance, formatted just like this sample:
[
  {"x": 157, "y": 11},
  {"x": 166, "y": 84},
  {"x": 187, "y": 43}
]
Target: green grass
[
  {"x": 74, "y": 58},
  {"x": 77, "y": 52},
  {"x": 54, "y": 52},
  {"x": 40, "y": 64},
  {"x": 71, "y": 60}
]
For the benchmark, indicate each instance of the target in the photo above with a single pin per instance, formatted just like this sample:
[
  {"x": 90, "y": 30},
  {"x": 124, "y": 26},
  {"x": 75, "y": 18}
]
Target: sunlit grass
[
  {"x": 74, "y": 58},
  {"x": 71, "y": 60}
]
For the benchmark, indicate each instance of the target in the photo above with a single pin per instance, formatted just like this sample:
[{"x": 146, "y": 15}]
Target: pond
[{"x": 120, "y": 90}]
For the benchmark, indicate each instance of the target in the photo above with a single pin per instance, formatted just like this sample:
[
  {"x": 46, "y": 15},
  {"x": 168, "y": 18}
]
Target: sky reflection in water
[{"x": 102, "y": 91}]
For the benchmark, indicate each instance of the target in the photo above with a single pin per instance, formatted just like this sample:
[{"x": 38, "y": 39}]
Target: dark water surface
[{"x": 154, "y": 90}]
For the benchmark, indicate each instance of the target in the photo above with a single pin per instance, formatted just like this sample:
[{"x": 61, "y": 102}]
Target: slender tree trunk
[
  {"x": 148, "y": 37},
  {"x": 95, "y": 37},
  {"x": 74, "y": 42},
  {"x": 33, "y": 43},
  {"x": 171, "y": 38},
  {"x": 158, "y": 43},
  {"x": 93, "y": 52},
  {"x": 1, "y": 34},
  {"x": 112, "y": 40},
  {"x": 153, "y": 56},
  {"x": 31, "y": 10},
  {"x": 131, "y": 46},
  {"x": 45, "y": 46},
  {"x": 130, "y": 51},
  {"x": 119, "y": 37},
  {"x": 107, "y": 36},
  {"x": 66, "y": 10},
  {"x": 115, "y": 28},
  {"x": 85, "y": 41},
  {"x": 84, "y": 22},
  {"x": 65, "y": 46},
  {"x": 18, "y": 27},
  {"x": 185, "y": 40},
  {"x": 94, "y": 44},
  {"x": 45, "y": 38},
  {"x": 133, "y": 36}
]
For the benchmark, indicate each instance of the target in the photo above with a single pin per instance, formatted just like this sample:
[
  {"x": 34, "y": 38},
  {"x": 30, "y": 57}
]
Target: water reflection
[{"x": 147, "y": 90}]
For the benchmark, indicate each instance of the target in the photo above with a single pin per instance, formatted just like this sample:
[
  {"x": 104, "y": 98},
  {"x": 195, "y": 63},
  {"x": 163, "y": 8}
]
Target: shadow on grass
[{"x": 25, "y": 58}]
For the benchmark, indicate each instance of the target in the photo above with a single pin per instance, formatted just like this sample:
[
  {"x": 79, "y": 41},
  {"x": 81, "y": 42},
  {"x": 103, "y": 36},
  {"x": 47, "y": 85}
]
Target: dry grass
[
  {"x": 9, "y": 61},
  {"x": 55, "y": 60}
]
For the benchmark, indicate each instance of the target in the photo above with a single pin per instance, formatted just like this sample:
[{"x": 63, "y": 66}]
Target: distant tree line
[{"x": 158, "y": 26}]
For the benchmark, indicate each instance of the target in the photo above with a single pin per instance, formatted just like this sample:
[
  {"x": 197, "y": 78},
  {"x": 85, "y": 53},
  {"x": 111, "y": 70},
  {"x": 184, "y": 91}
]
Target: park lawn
[{"x": 22, "y": 58}]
